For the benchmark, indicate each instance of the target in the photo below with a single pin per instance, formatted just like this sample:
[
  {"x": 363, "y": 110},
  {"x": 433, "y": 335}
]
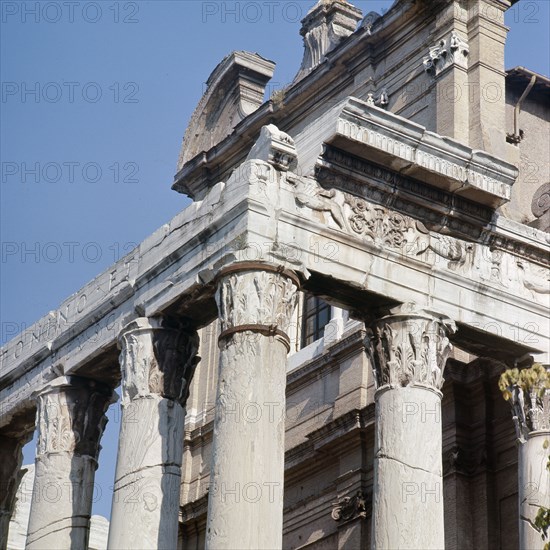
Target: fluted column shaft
[
  {"x": 158, "y": 359},
  {"x": 245, "y": 505},
  {"x": 71, "y": 419},
  {"x": 11, "y": 458},
  {"x": 409, "y": 350}
]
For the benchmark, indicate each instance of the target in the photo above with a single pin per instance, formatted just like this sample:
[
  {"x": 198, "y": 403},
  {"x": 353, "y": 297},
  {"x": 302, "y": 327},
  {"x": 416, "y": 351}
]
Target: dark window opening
[{"x": 315, "y": 317}]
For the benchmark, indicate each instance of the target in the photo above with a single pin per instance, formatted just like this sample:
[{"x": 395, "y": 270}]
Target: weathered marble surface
[
  {"x": 17, "y": 537},
  {"x": 158, "y": 359},
  {"x": 533, "y": 486},
  {"x": 409, "y": 351},
  {"x": 247, "y": 475},
  {"x": 71, "y": 419},
  {"x": 258, "y": 214}
]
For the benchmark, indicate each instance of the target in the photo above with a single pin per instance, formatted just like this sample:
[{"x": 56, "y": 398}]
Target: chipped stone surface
[
  {"x": 256, "y": 308},
  {"x": 158, "y": 358},
  {"x": 366, "y": 207},
  {"x": 99, "y": 525},
  {"x": 71, "y": 419}
]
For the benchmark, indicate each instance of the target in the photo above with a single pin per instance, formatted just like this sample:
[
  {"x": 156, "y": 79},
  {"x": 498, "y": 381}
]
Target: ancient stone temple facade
[{"x": 309, "y": 354}]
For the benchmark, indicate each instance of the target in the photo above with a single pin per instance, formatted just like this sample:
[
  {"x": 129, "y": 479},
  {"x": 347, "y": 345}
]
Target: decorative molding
[
  {"x": 540, "y": 206},
  {"x": 71, "y": 416},
  {"x": 411, "y": 196},
  {"x": 452, "y": 50},
  {"x": 459, "y": 216},
  {"x": 256, "y": 297},
  {"x": 390, "y": 228},
  {"x": 408, "y": 147},
  {"x": 274, "y": 147},
  {"x": 410, "y": 347},
  {"x": 349, "y": 508},
  {"x": 158, "y": 357}
]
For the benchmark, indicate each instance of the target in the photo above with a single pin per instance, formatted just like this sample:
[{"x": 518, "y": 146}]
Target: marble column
[
  {"x": 408, "y": 350},
  {"x": 528, "y": 391},
  {"x": 71, "y": 419},
  {"x": 245, "y": 505},
  {"x": 158, "y": 359},
  {"x": 11, "y": 458}
]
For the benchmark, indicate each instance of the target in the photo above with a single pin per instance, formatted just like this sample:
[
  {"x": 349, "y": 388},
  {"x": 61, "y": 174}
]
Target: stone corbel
[
  {"x": 452, "y": 50},
  {"x": 381, "y": 101},
  {"x": 348, "y": 508}
]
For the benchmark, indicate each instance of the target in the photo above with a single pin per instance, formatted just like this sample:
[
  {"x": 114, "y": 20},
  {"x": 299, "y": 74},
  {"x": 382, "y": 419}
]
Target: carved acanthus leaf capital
[
  {"x": 71, "y": 416},
  {"x": 528, "y": 392},
  {"x": 410, "y": 347},
  {"x": 158, "y": 357},
  {"x": 256, "y": 297}
]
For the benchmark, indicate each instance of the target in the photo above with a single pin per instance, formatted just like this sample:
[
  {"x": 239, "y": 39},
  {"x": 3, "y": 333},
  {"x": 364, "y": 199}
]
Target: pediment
[{"x": 234, "y": 90}]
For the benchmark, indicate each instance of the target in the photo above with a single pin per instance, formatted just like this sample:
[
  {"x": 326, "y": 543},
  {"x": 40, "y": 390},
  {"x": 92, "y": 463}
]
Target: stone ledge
[{"x": 408, "y": 148}]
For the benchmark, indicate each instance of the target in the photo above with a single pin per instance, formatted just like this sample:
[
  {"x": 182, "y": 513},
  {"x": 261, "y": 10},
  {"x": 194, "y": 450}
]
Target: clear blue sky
[{"x": 98, "y": 100}]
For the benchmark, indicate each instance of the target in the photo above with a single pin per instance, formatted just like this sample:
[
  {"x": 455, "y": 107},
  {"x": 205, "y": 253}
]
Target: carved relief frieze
[
  {"x": 448, "y": 51},
  {"x": 380, "y": 218},
  {"x": 378, "y": 224},
  {"x": 389, "y": 187}
]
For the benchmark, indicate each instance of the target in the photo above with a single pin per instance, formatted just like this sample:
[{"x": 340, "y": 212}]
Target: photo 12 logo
[
  {"x": 67, "y": 91},
  {"x": 252, "y": 12},
  {"x": 69, "y": 12}
]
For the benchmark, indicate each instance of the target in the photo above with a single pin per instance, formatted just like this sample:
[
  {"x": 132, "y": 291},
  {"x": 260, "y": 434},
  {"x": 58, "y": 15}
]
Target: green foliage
[
  {"x": 533, "y": 377},
  {"x": 542, "y": 523}
]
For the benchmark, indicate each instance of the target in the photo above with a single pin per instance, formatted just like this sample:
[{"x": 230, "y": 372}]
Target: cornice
[{"x": 444, "y": 211}]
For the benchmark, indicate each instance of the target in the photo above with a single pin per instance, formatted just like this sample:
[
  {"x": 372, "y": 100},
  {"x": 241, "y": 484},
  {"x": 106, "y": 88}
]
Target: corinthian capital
[
  {"x": 259, "y": 298},
  {"x": 410, "y": 347},
  {"x": 71, "y": 416},
  {"x": 158, "y": 357},
  {"x": 528, "y": 392}
]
